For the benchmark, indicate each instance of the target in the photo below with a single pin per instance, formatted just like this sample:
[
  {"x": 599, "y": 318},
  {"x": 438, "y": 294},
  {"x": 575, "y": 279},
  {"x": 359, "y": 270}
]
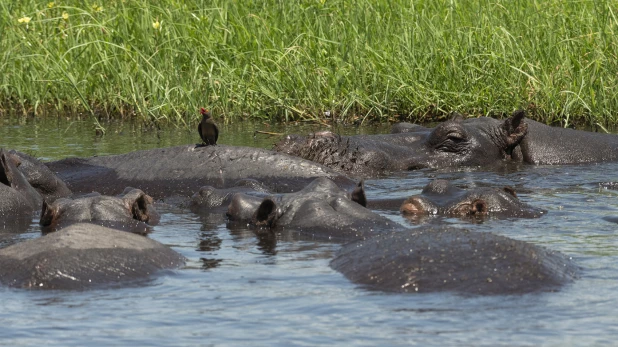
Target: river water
[{"x": 237, "y": 289}]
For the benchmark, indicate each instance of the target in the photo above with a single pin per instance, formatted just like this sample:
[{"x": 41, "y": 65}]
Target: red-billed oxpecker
[{"x": 208, "y": 129}]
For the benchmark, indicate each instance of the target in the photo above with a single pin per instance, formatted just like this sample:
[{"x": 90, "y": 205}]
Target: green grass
[{"x": 294, "y": 60}]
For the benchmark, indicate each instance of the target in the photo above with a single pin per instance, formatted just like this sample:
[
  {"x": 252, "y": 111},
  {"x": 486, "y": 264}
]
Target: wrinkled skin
[
  {"x": 320, "y": 210},
  {"x": 455, "y": 143},
  {"x": 84, "y": 256},
  {"x": 473, "y": 142},
  {"x": 18, "y": 200},
  {"x": 182, "y": 170},
  {"x": 442, "y": 198},
  {"x": 428, "y": 260},
  {"x": 133, "y": 212},
  {"x": 213, "y": 199},
  {"x": 40, "y": 177},
  {"x": 546, "y": 145}
]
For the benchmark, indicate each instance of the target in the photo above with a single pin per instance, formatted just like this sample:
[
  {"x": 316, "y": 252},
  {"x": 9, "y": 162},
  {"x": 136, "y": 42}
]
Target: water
[{"x": 237, "y": 289}]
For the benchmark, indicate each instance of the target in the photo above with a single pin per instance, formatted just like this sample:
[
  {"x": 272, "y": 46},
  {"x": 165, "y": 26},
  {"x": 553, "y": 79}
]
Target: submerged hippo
[
  {"x": 383, "y": 255},
  {"x": 440, "y": 197},
  {"x": 211, "y": 199},
  {"x": 428, "y": 260},
  {"x": 25, "y": 183},
  {"x": 40, "y": 177},
  {"x": 321, "y": 210},
  {"x": 182, "y": 170},
  {"x": 84, "y": 256},
  {"x": 132, "y": 211},
  {"x": 455, "y": 143},
  {"x": 18, "y": 199}
]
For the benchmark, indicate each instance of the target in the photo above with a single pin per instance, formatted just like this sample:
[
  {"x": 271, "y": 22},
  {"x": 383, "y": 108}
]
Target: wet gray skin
[
  {"x": 212, "y": 200},
  {"x": 133, "y": 211},
  {"x": 455, "y": 143},
  {"x": 84, "y": 256},
  {"x": 440, "y": 197},
  {"x": 182, "y": 170},
  {"x": 40, "y": 177},
  {"x": 18, "y": 199},
  {"x": 438, "y": 259},
  {"x": 321, "y": 210}
]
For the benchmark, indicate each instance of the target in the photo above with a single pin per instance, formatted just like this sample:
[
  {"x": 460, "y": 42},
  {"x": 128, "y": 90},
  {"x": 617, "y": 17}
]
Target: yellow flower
[
  {"x": 24, "y": 20},
  {"x": 65, "y": 16},
  {"x": 50, "y": 4},
  {"x": 97, "y": 8},
  {"x": 156, "y": 25}
]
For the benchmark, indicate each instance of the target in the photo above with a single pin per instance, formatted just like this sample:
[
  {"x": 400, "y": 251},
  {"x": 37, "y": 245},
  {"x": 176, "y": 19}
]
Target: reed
[{"x": 302, "y": 60}]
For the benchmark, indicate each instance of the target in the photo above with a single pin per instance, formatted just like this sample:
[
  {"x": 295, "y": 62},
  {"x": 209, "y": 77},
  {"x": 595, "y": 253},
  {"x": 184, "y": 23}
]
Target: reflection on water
[{"x": 243, "y": 287}]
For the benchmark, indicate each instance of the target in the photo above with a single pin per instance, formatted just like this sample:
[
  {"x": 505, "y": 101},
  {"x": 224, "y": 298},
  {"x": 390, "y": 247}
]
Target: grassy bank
[{"x": 296, "y": 60}]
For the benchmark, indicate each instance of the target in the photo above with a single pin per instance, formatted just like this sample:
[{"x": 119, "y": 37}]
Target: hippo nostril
[
  {"x": 266, "y": 214},
  {"x": 478, "y": 207}
]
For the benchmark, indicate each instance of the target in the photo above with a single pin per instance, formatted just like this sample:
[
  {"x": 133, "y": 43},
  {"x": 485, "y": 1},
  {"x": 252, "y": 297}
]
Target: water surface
[{"x": 240, "y": 289}]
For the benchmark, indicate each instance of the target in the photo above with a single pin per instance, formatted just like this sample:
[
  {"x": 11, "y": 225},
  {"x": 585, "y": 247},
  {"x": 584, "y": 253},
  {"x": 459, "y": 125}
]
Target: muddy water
[{"x": 237, "y": 289}]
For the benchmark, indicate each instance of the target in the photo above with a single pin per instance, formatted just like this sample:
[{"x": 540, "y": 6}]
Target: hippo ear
[
  {"x": 15, "y": 159},
  {"x": 456, "y": 116},
  {"x": 514, "y": 129},
  {"x": 510, "y": 190},
  {"x": 478, "y": 206},
  {"x": 266, "y": 214},
  {"x": 138, "y": 203},
  {"x": 48, "y": 213},
  {"x": 358, "y": 194}
]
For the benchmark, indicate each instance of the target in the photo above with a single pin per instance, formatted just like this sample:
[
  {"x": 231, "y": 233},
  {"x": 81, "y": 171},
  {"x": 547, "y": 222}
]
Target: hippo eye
[
  {"x": 448, "y": 137},
  {"x": 456, "y": 137},
  {"x": 453, "y": 142}
]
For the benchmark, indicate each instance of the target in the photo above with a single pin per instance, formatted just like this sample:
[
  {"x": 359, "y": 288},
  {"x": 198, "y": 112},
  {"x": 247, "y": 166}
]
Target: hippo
[
  {"x": 25, "y": 183},
  {"x": 211, "y": 198},
  {"x": 455, "y": 143},
  {"x": 18, "y": 199},
  {"x": 182, "y": 170},
  {"x": 439, "y": 259},
  {"x": 133, "y": 211},
  {"x": 383, "y": 255},
  {"x": 321, "y": 210},
  {"x": 472, "y": 142},
  {"x": 40, "y": 177},
  {"x": 84, "y": 256},
  {"x": 440, "y": 197}
]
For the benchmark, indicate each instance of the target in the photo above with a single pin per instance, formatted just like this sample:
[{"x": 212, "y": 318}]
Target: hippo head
[
  {"x": 321, "y": 209},
  {"x": 16, "y": 184},
  {"x": 18, "y": 200},
  {"x": 442, "y": 198},
  {"x": 40, "y": 177},
  {"x": 133, "y": 211},
  {"x": 471, "y": 142}
]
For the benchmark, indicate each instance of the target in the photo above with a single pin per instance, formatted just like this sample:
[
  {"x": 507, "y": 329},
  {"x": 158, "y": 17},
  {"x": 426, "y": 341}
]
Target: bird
[{"x": 208, "y": 129}]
